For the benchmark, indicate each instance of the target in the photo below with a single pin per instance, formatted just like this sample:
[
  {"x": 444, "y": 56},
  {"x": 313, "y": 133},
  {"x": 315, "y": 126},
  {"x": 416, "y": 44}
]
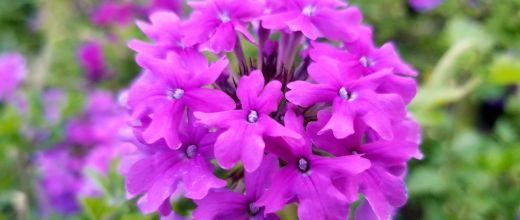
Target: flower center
[
  {"x": 344, "y": 94},
  {"x": 303, "y": 165},
  {"x": 253, "y": 209},
  {"x": 309, "y": 10},
  {"x": 224, "y": 17},
  {"x": 175, "y": 94},
  {"x": 252, "y": 117},
  {"x": 191, "y": 151},
  {"x": 366, "y": 61}
]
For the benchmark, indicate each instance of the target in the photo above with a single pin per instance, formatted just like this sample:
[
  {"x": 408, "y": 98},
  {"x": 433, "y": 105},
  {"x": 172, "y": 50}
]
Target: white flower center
[
  {"x": 344, "y": 94},
  {"x": 309, "y": 10},
  {"x": 191, "y": 151},
  {"x": 366, "y": 61},
  {"x": 224, "y": 17},
  {"x": 303, "y": 165},
  {"x": 175, "y": 94},
  {"x": 252, "y": 117}
]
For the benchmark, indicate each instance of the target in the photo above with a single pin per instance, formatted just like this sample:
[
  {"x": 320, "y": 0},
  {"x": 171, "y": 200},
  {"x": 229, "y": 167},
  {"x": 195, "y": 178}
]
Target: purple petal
[
  {"x": 249, "y": 87},
  {"x": 383, "y": 191},
  {"x": 208, "y": 100},
  {"x": 279, "y": 192},
  {"x": 268, "y": 100},
  {"x": 242, "y": 141},
  {"x": 224, "y": 39},
  {"x": 365, "y": 212},
  {"x": 346, "y": 165},
  {"x": 211, "y": 74},
  {"x": 306, "y": 94},
  {"x": 222, "y": 204},
  {"x": 342, "y": 122},
  {"x": 165, "y": 123},
  {"x": 275, "y": 129},
  {"x": 223, "y": 119},
  {"x": 199, "y": 179}
]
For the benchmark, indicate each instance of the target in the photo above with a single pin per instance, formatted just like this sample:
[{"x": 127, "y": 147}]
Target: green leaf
[
  {"x": 95, "y": 208},
  {"x": 505, "y": 70}
]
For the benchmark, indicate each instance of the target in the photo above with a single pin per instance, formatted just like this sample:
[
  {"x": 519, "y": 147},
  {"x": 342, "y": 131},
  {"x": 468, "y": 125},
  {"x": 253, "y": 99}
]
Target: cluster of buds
[{"x": 314, "y": 114}]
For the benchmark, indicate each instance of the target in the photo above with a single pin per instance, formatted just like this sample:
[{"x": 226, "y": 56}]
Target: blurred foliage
[{"x": 468, "y": 52}]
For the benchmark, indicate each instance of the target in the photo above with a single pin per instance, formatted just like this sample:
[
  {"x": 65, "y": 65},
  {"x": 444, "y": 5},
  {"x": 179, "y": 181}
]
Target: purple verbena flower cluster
[
  {"x": 92, "y": 141},
  {"x": 316, "y": 117}
]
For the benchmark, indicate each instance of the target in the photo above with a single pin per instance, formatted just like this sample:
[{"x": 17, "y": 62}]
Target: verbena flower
[
  {"x": 158, "y": 169},
  {"x": 424, "y": 5},
  {"x": 218, "y": 23},
  {"x": 314, "y": 114},
  {"x": 12, "y": 72},
  {"x": 165, "y": 32},
  {"x": 171, "y": 86},
  {"x": 382, "y": 184},
  {"x": 91, "y": 58},
  {"x": 227, "y": 204},
  {"x": 91, "y": 142},
  {"x": 309, "y": 178},
  {"x": 324, "y": 18},
  {"x": 243, "y": 129}
]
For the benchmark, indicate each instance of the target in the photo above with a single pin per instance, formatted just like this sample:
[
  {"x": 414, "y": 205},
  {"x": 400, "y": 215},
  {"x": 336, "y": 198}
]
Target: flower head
[
  {"x": 158, "y": 170},
  {"x": 316, "y": 18},
  {"x": 309, "y": 178},
  {"x": 12, "y": 71},
  {"x": 91, "y": 58},
  {"x": 218, "y": 23},
  {"x": 172, "y": 85},
  {"x": 314, "y": 123},
  {"x": 247, "y": 126}
]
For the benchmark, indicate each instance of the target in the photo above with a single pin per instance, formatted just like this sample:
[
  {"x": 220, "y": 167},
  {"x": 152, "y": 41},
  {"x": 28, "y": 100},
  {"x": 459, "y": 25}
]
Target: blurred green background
[{"x": 468, "y": 53}]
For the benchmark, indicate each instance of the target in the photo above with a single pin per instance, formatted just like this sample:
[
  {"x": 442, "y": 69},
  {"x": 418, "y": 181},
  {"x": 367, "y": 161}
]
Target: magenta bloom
[
  {"x": 165, "y": 32},
  {"x": 12, "y": 72},
  {"x": 219, "y": 21},
  {"x": 159, "y": 169},
  {"x": 60, "y": 180},
  {"x": 424, "y": 5},
  {"x": 316, "y": 18},
  {"x": 363, "y": 57},
  {"x": 110, "y": 12},
  {"x": 309, "y": 178},
  {"x": 246, "y": 127},
  {"x": 352, "y": 97},
  {"x": 382, "y": 184},
  {"x": 165, "y": 5},
  {"x": 90, "y": 55},
  {"x": 320, "y": 120},
  {"x": 171, "y": 86},
  {"x": 226, "y": 204}
]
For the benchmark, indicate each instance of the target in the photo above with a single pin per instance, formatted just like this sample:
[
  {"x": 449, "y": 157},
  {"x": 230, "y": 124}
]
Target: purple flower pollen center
[
  {"x": 303, "y": 165},
  {"x": 343, "y": 93},
  {"x": 175, "y": 94},
  {"x": 366, "y": 61},
  {"x": 252, "y": 117},
  {"x": 191, "y": 151},
  {"x": 253, "y": 209}
]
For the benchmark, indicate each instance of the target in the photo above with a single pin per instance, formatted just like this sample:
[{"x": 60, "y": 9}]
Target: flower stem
[
  {"x": 263, "y": 35},
  {"x": 241, "y": 58}
]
